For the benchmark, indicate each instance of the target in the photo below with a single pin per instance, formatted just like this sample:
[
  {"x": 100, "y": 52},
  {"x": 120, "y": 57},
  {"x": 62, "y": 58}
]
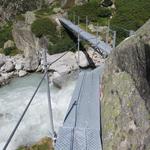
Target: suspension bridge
[
  {"x": 81, "y": 129},
  {"x": 98, "y": 45}
]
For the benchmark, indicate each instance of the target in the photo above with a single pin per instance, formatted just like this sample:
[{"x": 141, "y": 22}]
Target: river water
[{"x": 35, "y": 125}]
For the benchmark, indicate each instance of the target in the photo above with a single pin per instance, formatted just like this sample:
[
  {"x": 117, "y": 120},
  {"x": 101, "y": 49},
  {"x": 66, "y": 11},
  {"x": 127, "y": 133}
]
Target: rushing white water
[{"x": 35, "y": 125}]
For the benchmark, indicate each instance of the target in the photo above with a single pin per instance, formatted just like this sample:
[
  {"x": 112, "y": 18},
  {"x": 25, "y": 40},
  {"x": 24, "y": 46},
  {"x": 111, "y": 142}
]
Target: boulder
[
  {"x": 61, "y": 80},
  {"x": 29, "y": 17},
  {"x": 83, "y": 62},
  {"x": 22, "y": 73},
  {"x": 2, "y": 60},
  {"x": 9, "y": 44},
  {"x": 28, "y": 43},
  {"x": 126, "y": 94},
  {"x": 58, "y": 10},
  {"x": 8, "y": 66},
  {"x": 64, "y": 65},
  {"x": 7, "y": 75}
]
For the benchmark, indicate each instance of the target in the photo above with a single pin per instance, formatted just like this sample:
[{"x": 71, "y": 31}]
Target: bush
[
  {"x": 44, "y": 27},
  {"x": 5, "y": 34},
  {"x": 90, "y": 9},
  {"x": 130, "y": 14},
  {"x": 63, "y": 43}
]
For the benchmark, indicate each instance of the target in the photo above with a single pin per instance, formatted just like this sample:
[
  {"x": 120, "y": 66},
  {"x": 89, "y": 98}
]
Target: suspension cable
[{"x": 17, "y": 125}]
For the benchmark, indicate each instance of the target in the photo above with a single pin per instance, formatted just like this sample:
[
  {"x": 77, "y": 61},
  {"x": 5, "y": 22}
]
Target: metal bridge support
[
  {"x": 114, "y": 39},
  {"x": 107, "y": 34},
  {"x": 78, "y": 59},
  {"x": 49, "y": 94}
]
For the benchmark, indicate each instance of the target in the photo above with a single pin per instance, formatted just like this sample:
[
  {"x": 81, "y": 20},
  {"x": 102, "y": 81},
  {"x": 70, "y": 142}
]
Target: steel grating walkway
[
  {"x": 81, "y": 128},
  {"x": 98, "y": 45}
]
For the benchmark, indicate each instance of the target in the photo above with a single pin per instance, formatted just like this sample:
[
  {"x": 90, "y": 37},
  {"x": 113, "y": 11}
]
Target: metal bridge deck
[
  {"x": 98, "y": 45},
  {"x": 81, "y": 128}
]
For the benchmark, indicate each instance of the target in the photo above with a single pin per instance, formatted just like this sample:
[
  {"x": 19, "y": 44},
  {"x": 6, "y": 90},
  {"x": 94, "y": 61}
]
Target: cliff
[{"x": 126, "y": 94}]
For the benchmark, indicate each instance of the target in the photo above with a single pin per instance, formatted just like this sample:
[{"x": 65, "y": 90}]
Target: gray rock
[
  {"x": 2, "y": 60},
  {"x": 126, "y": 94},
  {"x": 29, "y": 17},
  {"x": 9, "y": 44},
  {"x": 22, "y": 73},
  {"x": 83, "y": 62},
  {"x": 28, "y": 43},
  {"x": 8, "y": 66},
  {"x": 65, "y": 65}
]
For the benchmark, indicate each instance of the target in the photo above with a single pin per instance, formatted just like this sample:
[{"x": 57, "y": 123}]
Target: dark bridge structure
[{"x": 100, "y": 46}]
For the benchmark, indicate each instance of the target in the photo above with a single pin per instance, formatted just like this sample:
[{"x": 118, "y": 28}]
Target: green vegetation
[
  {"x": 58, "y": 42},
  {"x": 44, "y": 27},
  {"x": 63, "y": 43},
  {"x": 93, "y": 10},
  {"x": 46, "y": 11},
  {"x": 44, "y": 144},
  {"x": 5, "y": 34},
  {"x": 130, "y": 14},
  {"x": 10, "y": 51},
  {"x": 20, "y": 18}
]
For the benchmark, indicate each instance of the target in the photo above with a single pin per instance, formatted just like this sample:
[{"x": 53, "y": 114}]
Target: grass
[
  {"x": 130, "y": 14},
  {"x": 62, "y": 44},
  {"x": 45, "y": 27},
  {"x": 5, "y": 34},
  {"x": 46, "y": 11},
  {"x": 91, "y": 9},
  {"x": 10, "y": 51}
]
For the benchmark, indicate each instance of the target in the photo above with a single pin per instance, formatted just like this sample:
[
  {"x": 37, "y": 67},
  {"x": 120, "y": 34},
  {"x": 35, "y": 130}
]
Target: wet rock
[
  {"x": 8, "y": 66},
  {"x": 65, "y": 65},
  {"x": 22, "y": 73},
  {"x": 83, "y": 62}
]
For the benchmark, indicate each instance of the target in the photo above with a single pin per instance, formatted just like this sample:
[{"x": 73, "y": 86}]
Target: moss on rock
[{"x": 44, "y": 144}]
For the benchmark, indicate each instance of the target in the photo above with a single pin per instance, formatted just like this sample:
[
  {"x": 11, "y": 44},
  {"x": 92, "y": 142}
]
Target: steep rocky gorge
[{"x": 126, "y": 94}]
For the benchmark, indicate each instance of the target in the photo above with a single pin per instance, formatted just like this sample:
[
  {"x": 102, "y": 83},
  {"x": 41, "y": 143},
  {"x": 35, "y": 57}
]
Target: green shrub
[
  {"x": 44, "y": 27},
  {"x": 63, "y": 43},
  {"x": 12, "y": 51},
  {"x": 5, "y": 34},
  {"x": 91, "y": 9},
  {"x": 20, "y": 18},
  {"x": 7, "y": 51},
  {"x": 130, "y": 14}
]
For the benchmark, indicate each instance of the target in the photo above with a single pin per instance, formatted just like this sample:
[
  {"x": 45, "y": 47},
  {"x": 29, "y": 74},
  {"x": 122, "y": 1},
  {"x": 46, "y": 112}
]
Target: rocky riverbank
[{"x": 15, "y": 66}]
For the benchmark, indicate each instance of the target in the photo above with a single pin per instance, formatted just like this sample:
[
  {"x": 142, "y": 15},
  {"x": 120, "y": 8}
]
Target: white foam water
[{"x": 35, "y": 125}]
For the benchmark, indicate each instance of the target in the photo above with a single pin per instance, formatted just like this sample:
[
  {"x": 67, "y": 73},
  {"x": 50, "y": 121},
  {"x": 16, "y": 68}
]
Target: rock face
[
  {"x": 28, "y": 43},
  {"x": 9, "y": 44},
  {"x": 126, "y": 94},
  {"x": 10, "y": 8},
  {"x": 69, "y": 3}
]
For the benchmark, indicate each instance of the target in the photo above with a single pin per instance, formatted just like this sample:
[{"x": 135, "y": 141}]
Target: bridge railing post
[
  {"x": 114, "y": 39},
  {"x": 107, "y": 33},
  {"x": 48, "y": 94},
  {"x": 78, "y": 59},
  {"x": 86, "y": 23}
]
